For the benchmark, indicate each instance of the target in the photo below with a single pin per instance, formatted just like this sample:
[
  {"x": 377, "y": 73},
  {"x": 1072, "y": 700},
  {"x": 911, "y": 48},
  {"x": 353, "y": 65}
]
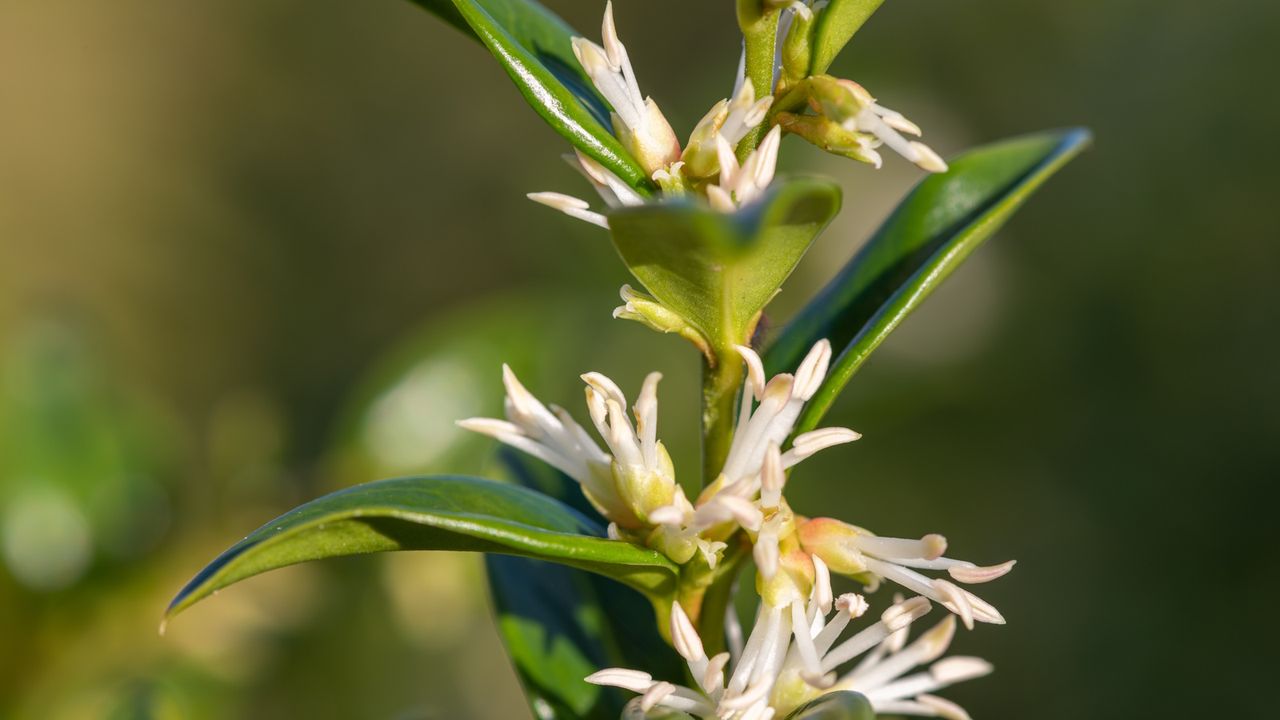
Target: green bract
[{"x": 719, "y": 270}]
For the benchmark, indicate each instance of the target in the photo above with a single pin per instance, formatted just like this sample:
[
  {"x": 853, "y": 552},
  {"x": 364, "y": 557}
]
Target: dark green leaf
[
  {"x": 834, "y": 27},
  {"x": 560, "y": 624},
  {"x": 718, "y": 270},
  {"x": 939, "y": 224},
  {"x": 431, "y": 513},
  {"x": 533, "y": 46},
  {"x": 843, "y": 705}
]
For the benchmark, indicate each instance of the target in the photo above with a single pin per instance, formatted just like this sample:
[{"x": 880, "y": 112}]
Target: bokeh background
[{"x": 251, "y": 252}]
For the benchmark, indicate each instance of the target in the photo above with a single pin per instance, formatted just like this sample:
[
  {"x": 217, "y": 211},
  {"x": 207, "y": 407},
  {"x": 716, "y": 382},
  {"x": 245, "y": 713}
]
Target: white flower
[
  {"x": 571, "y": 206},
  {"x": 638, "y": 122},
  {"x": 551, "y": 435},
  {"x": 792, "y": 656},
  {"x": 732, "y": 119},
  {"x": 851, "y": 550},
  {"x": 749, "y": 486},
  {"x": 739, "y": 185},
  {"x": 610, "y": 187},
  {"x": 769, "y": 420},
  {"x": 885, "y": 126},
  {"x": 642, "y": 469}
]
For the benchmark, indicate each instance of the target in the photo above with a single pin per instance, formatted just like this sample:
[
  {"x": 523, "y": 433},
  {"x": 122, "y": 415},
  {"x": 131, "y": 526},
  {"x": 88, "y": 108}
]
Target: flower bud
[
  {"x": 651, "y": 141},
  {"x": 646, "y": 489},
  {"x": 797, "y": 51},
  {"x": 832, "y": 137},
  {"x": 700, "y": 158},
  {"x": 648, "y": 311}
]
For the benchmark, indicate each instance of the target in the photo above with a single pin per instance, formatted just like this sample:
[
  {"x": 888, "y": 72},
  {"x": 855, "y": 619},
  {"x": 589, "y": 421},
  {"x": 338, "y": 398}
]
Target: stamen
[
  {"x": 633, "y": 680},
  {"x": 571, "y": 206},
  {"x": 955, "y": 597},
  {"x": 755, "y": 369},
  {"x": 949, "y": 671},
  {"x": 943, "y": 708},
  {"x": 812, "y": 370},
  {"x": 772, "y": 479},
  {"x": 658, "y": 692},
  {"x": 973, "y": 574},
  {"x": 822, "y": 595},
  {"x": 684, "y": 637},
  {"x": 804, "y": 641}
]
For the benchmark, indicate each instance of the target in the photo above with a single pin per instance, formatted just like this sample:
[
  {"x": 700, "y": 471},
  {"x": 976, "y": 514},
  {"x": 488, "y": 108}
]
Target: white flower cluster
[
  {"x": 633, "y": 485},
  {"x": 792, "y": 657},
  {"x": 708, "y": 164}
]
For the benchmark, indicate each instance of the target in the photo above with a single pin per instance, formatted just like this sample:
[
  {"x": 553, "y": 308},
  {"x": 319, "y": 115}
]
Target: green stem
[
  {"x": 720, "y": 386},
  {"x": 718, "y": 598},
  {"x": 760, "y": 35}
]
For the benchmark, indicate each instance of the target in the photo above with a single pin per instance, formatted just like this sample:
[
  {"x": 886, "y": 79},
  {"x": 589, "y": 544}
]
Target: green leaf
[
  {"x": 842, "y": 705},
  {"x": 432, "y": 513},
  {"x": 935, "y": 229},
  {"x": 533, "y": 45},
  {"x": 718, "y": 270},
  {"x": 834, "y": 27},
  {"x": 560, "y": 624}
]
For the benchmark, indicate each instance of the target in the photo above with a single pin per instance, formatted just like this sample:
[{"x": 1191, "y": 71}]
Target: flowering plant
[{"x": 711, "y": 235}]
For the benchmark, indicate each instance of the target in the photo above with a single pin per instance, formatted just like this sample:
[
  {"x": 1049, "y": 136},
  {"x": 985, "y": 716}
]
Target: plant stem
[
  {"x": 721, "y": 383},
  {"x": 760, "y": 36},
  {"x": 718, "y": 598}
]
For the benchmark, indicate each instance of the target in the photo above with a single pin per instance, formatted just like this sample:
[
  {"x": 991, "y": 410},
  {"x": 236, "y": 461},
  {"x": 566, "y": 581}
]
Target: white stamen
[
  {"x": 633, "y": 680},
  {"x": 571, "y": 206}
]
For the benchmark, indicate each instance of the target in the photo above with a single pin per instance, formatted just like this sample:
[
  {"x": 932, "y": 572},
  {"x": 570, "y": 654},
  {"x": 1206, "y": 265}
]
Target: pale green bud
[{"x": 656, "y": 316}]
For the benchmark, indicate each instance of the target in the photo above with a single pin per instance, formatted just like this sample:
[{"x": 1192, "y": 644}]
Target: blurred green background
[{"x": 254, "y": 251}]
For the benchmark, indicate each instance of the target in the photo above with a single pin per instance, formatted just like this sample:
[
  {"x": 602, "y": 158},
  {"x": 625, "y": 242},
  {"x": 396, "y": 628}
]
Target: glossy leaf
[
  {"x": 431, "y": 513},
  {"x": 718, "y": 270},
  {"x": 935, "y": 229},
  {"x": 560, "y": 624},
  {"x": 834, "y": 28},
  {"x": 533, "y": 45},
  {"x": 843, "y": 705}
]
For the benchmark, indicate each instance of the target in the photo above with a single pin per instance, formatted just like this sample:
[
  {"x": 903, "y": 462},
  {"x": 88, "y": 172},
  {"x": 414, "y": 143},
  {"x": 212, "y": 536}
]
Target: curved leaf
[
  {"x": 935, "y": 228},
  {"x": 431, "y": 513},
  {"x": 717, "y": 270},
  {"x": 533, "y": 45},
  {"x": 560, "y": 624},
  {"x": 834, "y": 28},
  {"x": 842, "y": 705}
]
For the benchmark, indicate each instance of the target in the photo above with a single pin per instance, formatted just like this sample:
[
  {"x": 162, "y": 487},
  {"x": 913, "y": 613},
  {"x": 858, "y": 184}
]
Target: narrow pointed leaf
[
  {"x": 843, "y": 705},
  {"x": 533, "y": 45},
  {"x": 560, "y": 624},
  {"x": 935, "y": 229},
  {"x": 431, "y": 513},
  {"x": 834, "y": 28},
  {"x": 718, "y": 270}
]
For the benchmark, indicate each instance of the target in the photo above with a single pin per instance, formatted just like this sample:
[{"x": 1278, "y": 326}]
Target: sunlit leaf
[
  {"x": 718, "y": 270},
  {"x": 533, "y": 45},
  {"x": 935, "y": 229},
  {"x": 431, "y": 513}
]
